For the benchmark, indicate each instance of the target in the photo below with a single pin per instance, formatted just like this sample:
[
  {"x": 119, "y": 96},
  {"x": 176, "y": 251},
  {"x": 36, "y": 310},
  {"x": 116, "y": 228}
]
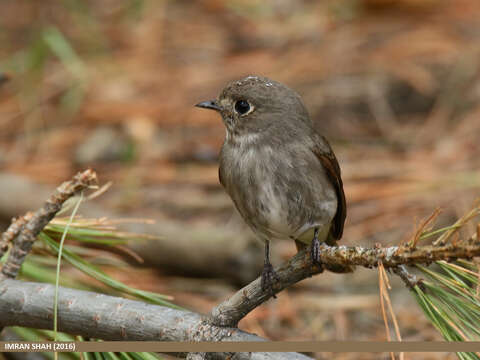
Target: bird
[{"x": 281, "y": 174}]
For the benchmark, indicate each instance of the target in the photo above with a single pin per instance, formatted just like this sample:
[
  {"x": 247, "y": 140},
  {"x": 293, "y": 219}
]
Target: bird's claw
[{"x": 315, "y": 253}]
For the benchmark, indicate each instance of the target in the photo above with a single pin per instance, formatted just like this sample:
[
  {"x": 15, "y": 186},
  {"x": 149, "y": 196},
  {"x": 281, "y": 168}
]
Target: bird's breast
[{"x": 274, "y": 190}]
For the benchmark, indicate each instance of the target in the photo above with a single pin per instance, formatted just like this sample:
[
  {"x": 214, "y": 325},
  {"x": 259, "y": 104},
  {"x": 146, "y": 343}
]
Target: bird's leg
[
  {"x": 268, "y": 274},
  {"x": 315, "y": 249}
]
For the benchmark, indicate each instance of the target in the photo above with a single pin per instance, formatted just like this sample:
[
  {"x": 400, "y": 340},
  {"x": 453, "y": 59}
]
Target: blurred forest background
[{"x": 394, "y": 85}]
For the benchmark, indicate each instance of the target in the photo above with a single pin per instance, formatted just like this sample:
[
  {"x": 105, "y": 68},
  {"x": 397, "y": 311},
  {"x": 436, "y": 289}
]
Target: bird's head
[{"x": 254, "y": 104}]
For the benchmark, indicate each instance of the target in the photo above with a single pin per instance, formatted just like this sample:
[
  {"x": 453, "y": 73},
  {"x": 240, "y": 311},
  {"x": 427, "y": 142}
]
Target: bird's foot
[
  {"x": 269, "y": 276},
  {"x": 315, "y": 253}
]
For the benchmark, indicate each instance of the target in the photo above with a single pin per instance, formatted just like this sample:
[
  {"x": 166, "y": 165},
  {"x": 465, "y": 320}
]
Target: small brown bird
[{"x": 281, "y": 174}]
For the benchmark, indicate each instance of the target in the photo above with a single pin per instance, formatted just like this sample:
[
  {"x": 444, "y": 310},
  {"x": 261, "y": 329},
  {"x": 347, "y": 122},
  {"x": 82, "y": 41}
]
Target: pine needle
[
  {"x": 449, "y": 299},
  {"x": 424, "y": 226},
  {"x": 383, "y": 285},
  {"x": 460, "y": 223},
  {"x": 59, "y": 260}
]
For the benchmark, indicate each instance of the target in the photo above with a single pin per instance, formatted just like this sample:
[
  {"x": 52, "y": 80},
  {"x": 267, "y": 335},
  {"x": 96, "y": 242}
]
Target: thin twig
[
  {"x": 24, "y": 241},
  {"x": 409, "y": 279},
  {"x": 13, "y": 230},
  {"x": 299, "y": 267}
]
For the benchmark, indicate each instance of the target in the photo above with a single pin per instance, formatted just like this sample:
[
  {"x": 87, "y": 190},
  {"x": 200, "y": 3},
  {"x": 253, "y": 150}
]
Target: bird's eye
[{"x": 242, "y": 107}]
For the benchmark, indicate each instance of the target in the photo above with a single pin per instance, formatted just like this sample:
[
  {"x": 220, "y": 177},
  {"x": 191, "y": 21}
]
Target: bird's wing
[{"x": 327, "y": 158}]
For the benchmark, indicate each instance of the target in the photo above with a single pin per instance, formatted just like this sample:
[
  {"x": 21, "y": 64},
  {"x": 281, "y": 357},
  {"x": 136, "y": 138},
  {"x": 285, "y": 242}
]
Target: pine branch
[
  {"x": 113, "y": 318},
  {"x": 29, "y": 304},
  {"x": 106, "y": 317},
  {"x": 29, "y": 228},
  {"x": 299, "y": 267},
  {"x": 13, "y": 230}
]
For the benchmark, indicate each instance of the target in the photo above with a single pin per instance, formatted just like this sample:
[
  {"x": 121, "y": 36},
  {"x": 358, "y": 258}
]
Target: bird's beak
[{"x": 210, "y": 104}]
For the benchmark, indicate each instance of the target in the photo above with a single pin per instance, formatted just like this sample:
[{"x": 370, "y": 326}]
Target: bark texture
[{"x": 111, "y": 318}]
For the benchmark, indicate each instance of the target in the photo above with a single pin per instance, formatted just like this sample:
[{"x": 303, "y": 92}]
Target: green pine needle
[
  {"x": 99, "y": 275},
  {"x": 59, "y": 261},
  {"x": 449, "y": 296},
  {"x": 450, "y": 301}
]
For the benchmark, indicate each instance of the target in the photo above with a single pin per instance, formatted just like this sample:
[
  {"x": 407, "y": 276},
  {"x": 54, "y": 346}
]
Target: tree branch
[
  {"x": 237, "y": 254},
  {"x": 409, "y": 279},
  {"x": 111, "y": 318},
  {"x": 105, "y": 317},
  {"x": 299, "y": 267},
  {"x": 28, "y": 230},
  {"x": 13, "y": 230}
]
